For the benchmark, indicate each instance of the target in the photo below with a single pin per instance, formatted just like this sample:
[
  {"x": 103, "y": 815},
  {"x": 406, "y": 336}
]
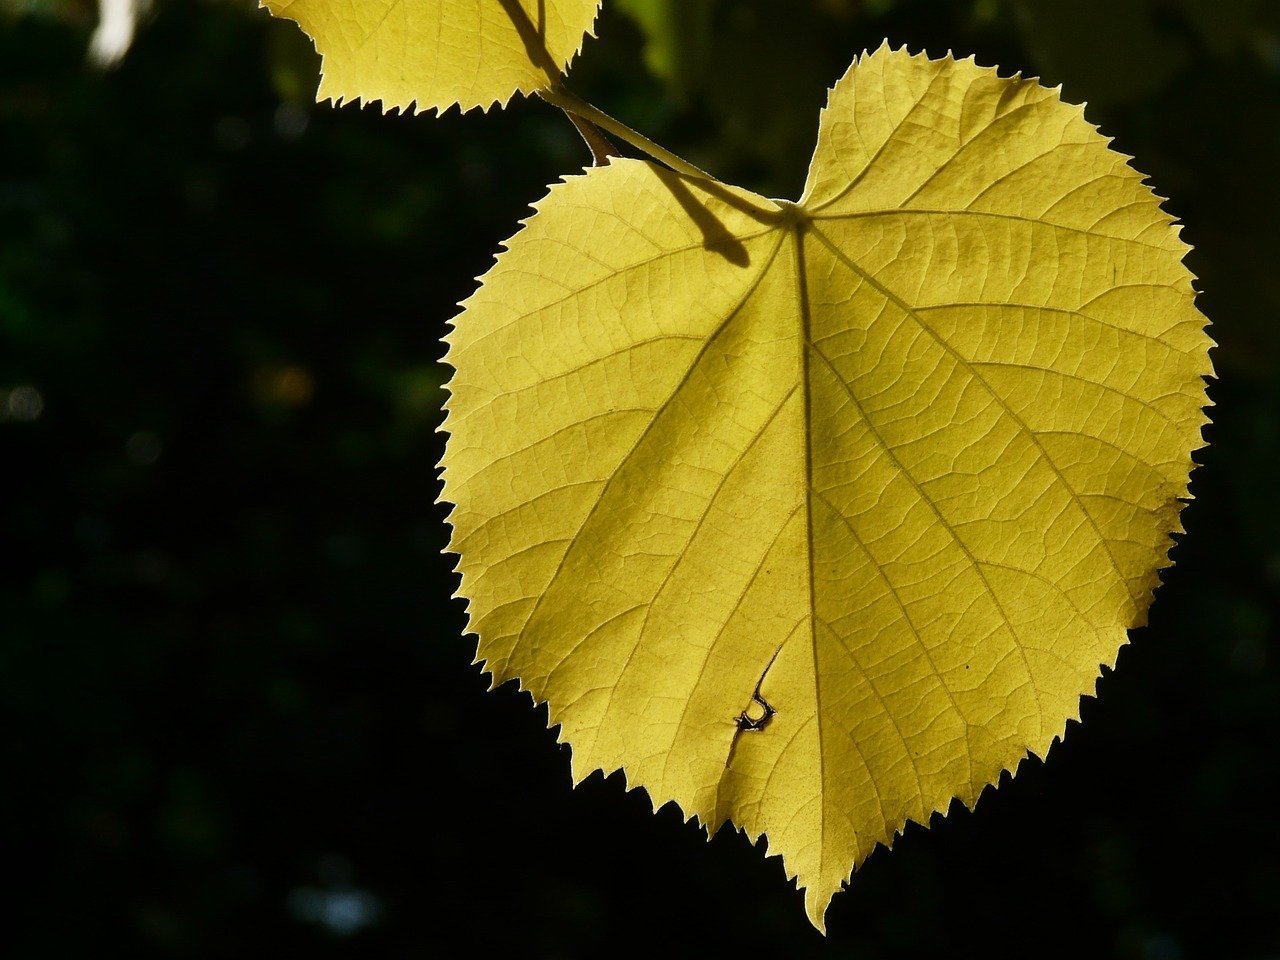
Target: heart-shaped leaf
[{"x": 814, "y": 516}]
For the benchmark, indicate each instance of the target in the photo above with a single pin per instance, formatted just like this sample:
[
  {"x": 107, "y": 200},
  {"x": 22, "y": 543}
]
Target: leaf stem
[
  {"x": 577, "y": 107},
  {"x": 601, "y": 147}
]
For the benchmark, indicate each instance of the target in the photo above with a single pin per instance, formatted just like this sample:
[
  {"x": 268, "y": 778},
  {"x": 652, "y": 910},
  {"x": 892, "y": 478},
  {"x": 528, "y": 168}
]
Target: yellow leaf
[
  {"x": 434, "y": 54},
  {"x": 814, "y": 516}
]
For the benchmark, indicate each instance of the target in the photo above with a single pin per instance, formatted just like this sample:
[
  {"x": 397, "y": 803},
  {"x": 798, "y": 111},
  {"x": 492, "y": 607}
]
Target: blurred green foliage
[{"x": 239, "y": 712}]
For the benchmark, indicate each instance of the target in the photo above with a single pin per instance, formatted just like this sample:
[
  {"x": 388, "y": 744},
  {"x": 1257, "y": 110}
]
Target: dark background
[{"x": 237, "y": 714}]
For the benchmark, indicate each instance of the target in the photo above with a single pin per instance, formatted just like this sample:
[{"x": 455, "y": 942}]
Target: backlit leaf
[
  {"x": 434, "y": 54},
  {"x": 814, "y": 516}
]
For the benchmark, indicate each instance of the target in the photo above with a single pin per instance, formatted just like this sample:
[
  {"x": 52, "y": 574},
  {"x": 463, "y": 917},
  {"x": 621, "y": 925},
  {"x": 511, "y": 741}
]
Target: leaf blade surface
[
  {"x": 435, "y": 54},
  {"x": 811, "y": 517}
]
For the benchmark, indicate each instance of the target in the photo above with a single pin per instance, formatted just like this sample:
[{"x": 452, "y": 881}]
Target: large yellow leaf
[
  {"x": 437, "y": 53},
  {"x": 814, "y": 516}
]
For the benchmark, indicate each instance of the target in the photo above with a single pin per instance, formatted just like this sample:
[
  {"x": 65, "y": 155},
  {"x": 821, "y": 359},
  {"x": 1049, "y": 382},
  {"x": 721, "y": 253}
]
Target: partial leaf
[
  {"x": 814, "y": 516},
  {"x": 435, "y": 54}
]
